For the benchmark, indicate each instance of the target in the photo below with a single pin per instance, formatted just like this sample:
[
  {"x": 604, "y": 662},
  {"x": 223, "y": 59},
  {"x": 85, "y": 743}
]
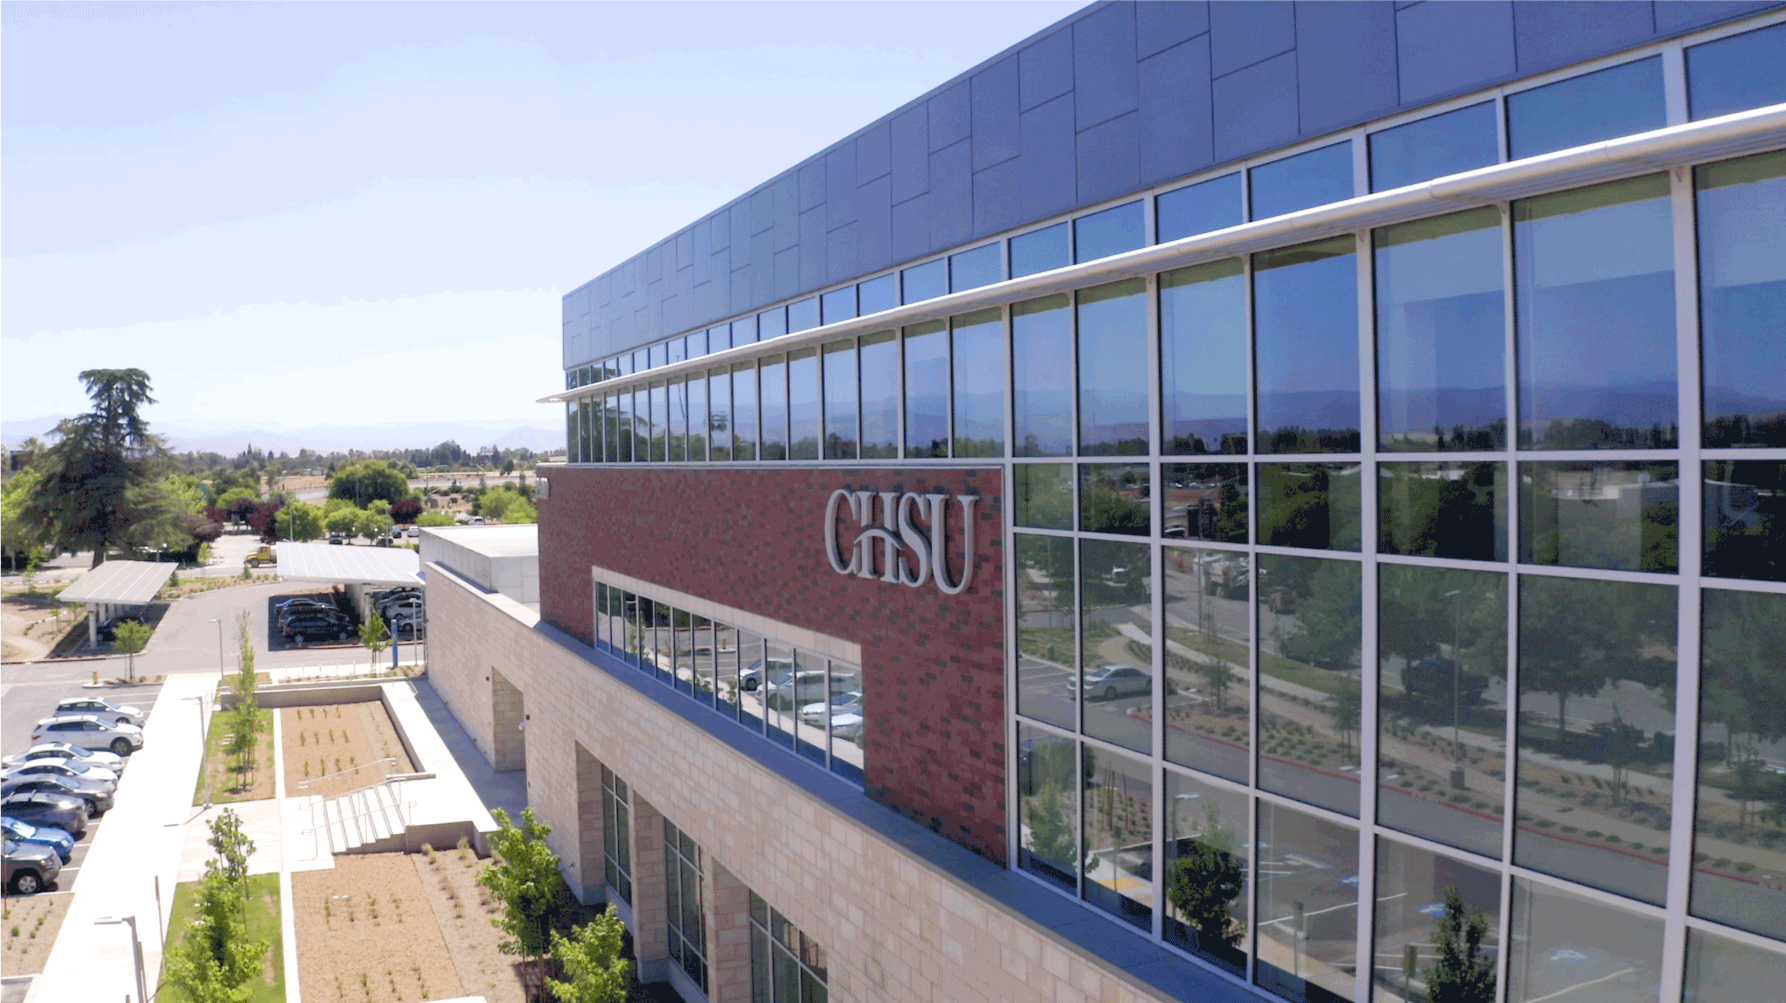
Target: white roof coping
[{"x": 492, "y": 541}]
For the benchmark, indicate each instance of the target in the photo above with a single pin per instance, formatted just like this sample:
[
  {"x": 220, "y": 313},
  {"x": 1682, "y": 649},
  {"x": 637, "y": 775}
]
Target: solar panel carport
[
  {"x": 116, "y": 584},
  {"x": 348, "y": 565}
]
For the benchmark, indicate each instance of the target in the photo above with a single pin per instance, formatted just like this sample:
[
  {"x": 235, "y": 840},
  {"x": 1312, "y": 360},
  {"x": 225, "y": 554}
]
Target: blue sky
[{"x": 297, "y": 214}]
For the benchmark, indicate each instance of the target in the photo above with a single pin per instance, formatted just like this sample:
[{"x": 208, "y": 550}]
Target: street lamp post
[
  {"x": 219, "y": 623},
  {"x": 136, "y": 945}
]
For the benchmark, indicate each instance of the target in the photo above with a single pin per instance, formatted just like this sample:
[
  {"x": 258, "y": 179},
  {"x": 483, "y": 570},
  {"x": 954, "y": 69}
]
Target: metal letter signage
[{"x": 910, "y": 535}]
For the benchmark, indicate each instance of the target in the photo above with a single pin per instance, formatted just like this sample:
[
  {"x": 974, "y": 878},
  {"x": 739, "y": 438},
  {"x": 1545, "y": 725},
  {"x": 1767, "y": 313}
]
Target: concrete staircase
[{"x": 372, "y": 819}]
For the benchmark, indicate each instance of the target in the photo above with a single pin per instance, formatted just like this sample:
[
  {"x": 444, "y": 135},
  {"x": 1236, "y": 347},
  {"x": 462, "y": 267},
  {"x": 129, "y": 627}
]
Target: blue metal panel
[
  {"x": 1444, "y": 48},
  {"x": 787, "y": 213},
  {"x": 1110, "y": 158},
  {"x": 1175, "y": 123},
  {"x": 812, "y": 248},
  {"x": 874, "y": 222},
  {"x": 1045, "y": 69},
  {"x": 1243, "y": 32},
  {"x": 811, "y": 179},
  {"x": 705, "y": 309},
  {"x": 720, "y": 228},
  {"x": 949, "y": 117},
  {"x": 1165, "y": 23},
  {"x": 1679, "y": 15},
  {"x": 685, "y": 255},
  {"x": 762, "y": 268},
  {"x": 911, "y": 155},
  {"x": 874, "y": 152},
  {"x": 762, "y": 210},
  {"x": 840, "y": 186},
  {"x": 1050, "y": 159},
  {"x": 951, "y": 194},
  {"x": 998, "y": 197},
  {"x": 703, "y": 232},
  {"x": 1560, "y": 32},
  {"x": 787, "y": 273},
  {"x": 911, "y": 228},
  {"x": 1345, "y": 59},
  {"x": 1105, "y": 40},
  {"x": 741, "y": 224},
  {"x": 741, "y": 249},
  {"x": 995, "y": 114},
  {"x": 840, "y": 253},
  {"x": 1255, "y": 109}
]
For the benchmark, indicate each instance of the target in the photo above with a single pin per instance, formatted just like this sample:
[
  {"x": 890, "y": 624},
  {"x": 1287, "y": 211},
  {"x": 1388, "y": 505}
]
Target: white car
[
  {"x": 842, "y": 703},
  {"x": 73, "y": 769},
  {"x": 62, "y": 750},
  {"x": 847, "y": 727},
  {"x": 101, "y": 708},
  {"x": 89, "y": 732}
]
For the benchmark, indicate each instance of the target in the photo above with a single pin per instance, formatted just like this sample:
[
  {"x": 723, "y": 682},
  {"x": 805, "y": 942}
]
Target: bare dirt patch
[
  {"x": 464, "y": 911},
  {"x": 367, "y": 934},
  {"x": 330, "y": 739},
  {"x": 29, "y": 929},
  {"x": 35, "y": 625}
]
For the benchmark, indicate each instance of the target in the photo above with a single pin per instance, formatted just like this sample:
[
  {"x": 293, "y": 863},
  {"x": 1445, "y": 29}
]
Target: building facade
[{"x": 1229, "y": 501}]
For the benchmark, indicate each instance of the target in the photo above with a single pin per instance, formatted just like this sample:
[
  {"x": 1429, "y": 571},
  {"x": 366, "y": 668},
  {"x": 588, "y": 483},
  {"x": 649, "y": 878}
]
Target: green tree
[
  {"x": 361, "y": 482},
  {"x": 373, "y": 525},
  {"x": 1204, "y": 881},
  {"x": 232, "y": 846},
  {"x": 1051, "y": 830},
  {"x": 1463, "y": 973},
  {"x": 216, "y": 961},
  {"x": 375, "y": 636},
  {"x": 130, "y": 638},
  {"x": 344, "y": 519},
  {"x": 298, "y": 521},
  {"x": 521, "y": 513},
  {"x": 434, "y": 519},
  {"x": 245, "y": 683},
  {"x": 591, "y": 957},
  {"x": 525, "y": 879},
  {"x": 18, "y": 535}
]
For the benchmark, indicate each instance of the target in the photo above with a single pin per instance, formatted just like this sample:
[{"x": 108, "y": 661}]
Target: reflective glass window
[
  {"x": 1048, "y": 806},
  {"x": 719, "y": 338},
  {"x": 701, "y": 657},
  {"x": 1303, "y": 181},
  {"x": 977, "y": 341},
  {"x": 625, "y": 364},
  {"x": 1113, "y": 408},
  {"x": 772, "y": 323},
  {"x": 926, "y": 281},
  {"x": 778, "y": 689},
  {"x": 1739, "y": 839},
  {"x": 744, "y": 331},
  {"x": 1310, "y": 623},
  {"x": 841, "y": 400},
  {"x": 1586, "y": 109},
  {"x": 1116, "y": 642},
  {"x": 1442, "y": 704},
  {"x": 697, "y": 344},
  {"x": 1203, "y": 349},
  {"x": 838, "y": 304},
  {"x": 676, "y": 646},
  {"x": 1724, "y": 971},
  {"x": 1305, "y": 324},
  {"x": 880, "y": 395},
  {"x": 1742, "y": 296},
  {"x": 773, "y": 381},
  {"x": 975, "y": 268},
  {"x": 1209, "y": 672},
  {"x": 719, "y": 414},
  {"x": 678, "y": 421},
  {"x": 1119, "y": 835},
  {"x": 1737, "y": 73},
  {"x": 1454, "y": 510},
  {"x": 659, "y": 355},
  {"x": 744, "y": 411},
  {"x": 803, "y": 404},
  {"x": 1311, "y": 505},
  {"x": 1042, "y": 385},
  {"x": 1207, "y": 844},
  {"x": 1563, "y": 945},
  {"x": 844, "y": 720},
  {"x": 810, "y": 685},
  {"x": 570, "y": 434},
  {"x": 1596, "y": 732},
  {"x": 1041, "y": 250},
  {"x": 1434, "y": 147},
  {"x": 1308, "y": 905},
  {"x": 803, "y": 315},
  {"x": 753, "y": 665},
  {"x": 926, "y": 390},
  {"x": 678, "y": 350},
  {"x": 1112, "y": 231},
  {"x": 877, "y": 294},
  {"x": 641, "y": 425},
  {"x": 1441, "y": 333},
  {"x": 660, "y": 423},
  {"x": 1200, "y": 208},
  {"x": 1745, "y": 519},
  {"x": 1043, "y": 495},
  {"x": 696, "y": 390},
  {"x": 725, "y": 669},
  {"x": 1438, "y": 927},
  {"x": 1045, "y": 666},
  {"x": 1203, "y": 501},
  {"x": 1594, "y": 279},
  {"x": 619, "y": 432},
  {"x": 1622, "y": 515},
  {"x": 1114, "y": 498}
]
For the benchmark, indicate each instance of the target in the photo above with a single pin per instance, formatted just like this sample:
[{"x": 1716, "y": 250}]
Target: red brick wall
[{"x": 753, "y": 539}]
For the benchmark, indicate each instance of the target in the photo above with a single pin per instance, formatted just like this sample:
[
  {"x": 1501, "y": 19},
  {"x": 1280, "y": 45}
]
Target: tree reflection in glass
[
  {"x": 1745, "y": 519},
  {"x": 1455, "y": 510},
  {"x": 1437, "y": 928},
  {"x": 1310, "y": 614},
  {"x": 1045, "y": 664},
  {"x": 1048, "y": 813},
  {"x": 1204, "y": 501},
  {"x": 1205, "y": 857},
  {"x": 1118, "y": 844},
  {"x": 1113, "y": 498},
  {"x": 1311, "y": 505},
  {"x": 1208, "y": 661},
  {"x": 1619, "y": 515}
]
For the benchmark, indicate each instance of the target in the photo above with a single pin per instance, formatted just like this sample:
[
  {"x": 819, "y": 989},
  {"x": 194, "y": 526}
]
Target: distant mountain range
[{"x": 328, "y": 438}]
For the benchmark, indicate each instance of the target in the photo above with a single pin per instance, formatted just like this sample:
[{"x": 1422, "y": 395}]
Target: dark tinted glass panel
[
  {"x": 744, "y": 411},
  {"x": 1619, "y": 515},
  {"x": 1047, "y": 792},
  {"x": 1208, "y": 663},
  {"x": 678, "y": 421},
  {"x": 1303, "y": 181},
  {"x": 1742, "y": 297},
  {"x": 744, "y": 332},
  {"x": 1113, "y": 369},
  {"x": 876, "y": 295},
  {"x": 1044, "y": 495},
  {"x": 1740, "y": 833},
  {"x": 1040, "y": 251},
  {"x": 1745, "y": 520},
  {"x": 1456, "y": 510},
  {"x": 1042, "y": 390},
  {"x": 1438, "y": 921},
  {"x": 1308, "y": 885},
  {"x": 772, "y": 323},
  {"x": 1045, "y": 593},
  {"x": 1724, "y": 971},
  {"x": 1114, "y": 498},
  {"x": 1594, "y": 270},
  {"x": 1207, "y": 843},
  {"x": 804, "y": 314},
  {"x": 1203, "y": 501},
  {"x": 1112, "y": 231},
  {"x": 1203, "y": 360},
  {"x": 1312, "y": 505},
  {"x": 719, "y": 338},
  {"x": 839, "y": 304},
  {"x": 1564, "y": 945},
  {"x": 803, "y": 404},
  {"x": 1201, "y": 208},
  {"x": 702, "y": 655},
  {"x": 1596, "y": 732},
  {"x": 1310, "y": 626},
  {"x": 1737, "y": 73},
  {"x": 1441, "y": 333},
  {"x": 926, "y": 390},
  {"x": 1120, "y": 832},
  {"x": 660, "y": 423},
  {"x": 840, "y": 400},
  {"x": 926, "y": 281},
  {"x": 773, "y": 381},
  {"x": 1442, "y": 704},
  {"x": 1452, "y": 143},
  {"x": 696, "y": 388},
  {"x": 880, "y": 395},
  {"x": 978, "y": 343},
  {"x": 975, "y": 268},
  {"x": 1305, "y": 321},
  {"x": 719, "y": 414},
  {"x": 1116, "y": 642},
  {"x": 1586, "y": 109}
]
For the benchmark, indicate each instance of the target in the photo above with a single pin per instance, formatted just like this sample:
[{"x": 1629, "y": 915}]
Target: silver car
[
  {"x": 62, "y": 750},
  {"x": 73, "y": 769},
  {"x": 89, "y": 732},
  {"x": 101, "y": 708}
]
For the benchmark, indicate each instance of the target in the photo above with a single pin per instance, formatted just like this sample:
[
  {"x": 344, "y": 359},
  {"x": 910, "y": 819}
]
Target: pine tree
[{"x": 1463, "y": 973}]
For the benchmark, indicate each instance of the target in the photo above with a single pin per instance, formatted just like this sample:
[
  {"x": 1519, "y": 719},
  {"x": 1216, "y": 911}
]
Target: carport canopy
[
  {"x": 119, "y": 583},
  {"x": 328, "y": 562}
]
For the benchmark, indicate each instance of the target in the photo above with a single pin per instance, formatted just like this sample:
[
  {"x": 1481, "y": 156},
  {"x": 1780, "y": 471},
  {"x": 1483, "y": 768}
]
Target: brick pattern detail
[
  {"x": 753, "y": 539},
  {"x": 508, "y": 713}
]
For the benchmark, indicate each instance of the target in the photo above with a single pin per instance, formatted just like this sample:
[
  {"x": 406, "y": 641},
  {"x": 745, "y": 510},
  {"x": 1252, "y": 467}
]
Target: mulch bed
[
  {"x": 29, "y": 929},
  {"x": 368, "y": 934},
  {"x": 330, "y": 738}
]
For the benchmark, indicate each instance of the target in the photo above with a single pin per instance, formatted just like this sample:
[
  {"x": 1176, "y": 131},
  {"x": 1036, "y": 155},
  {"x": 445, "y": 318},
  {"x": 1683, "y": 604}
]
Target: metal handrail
[
  {"x": 402, "y": 808},
  {"x": 304, "y": 785}
]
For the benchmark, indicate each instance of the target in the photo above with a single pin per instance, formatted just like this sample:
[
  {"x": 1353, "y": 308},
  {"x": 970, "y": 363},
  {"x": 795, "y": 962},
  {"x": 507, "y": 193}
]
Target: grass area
[
  {"x": 1302, "y": 674},
  {"x": 1209, "y": 644},
  {"x": 220, "y": 779},
  {"x": 263, "y": 924}
]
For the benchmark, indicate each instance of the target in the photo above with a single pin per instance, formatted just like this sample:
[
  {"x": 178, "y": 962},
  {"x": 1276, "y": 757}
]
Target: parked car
[
  {"x": 89, "y": 732},
  {"x": 62, "y": 750},
  {"x": 296, "y": 603},
  {"x": 50, "y": 836},
  {"x": 841, "y": 703},
  {"x": 412, "y": 627},
  {"x": 30, "y": 867},
  {"x": 314, "y": 613},
  {"x": 263, "y": 555},
  {"x": 338, "y": 538},
  {"x": 39, "y": 808},
  {"x": 98, "y": 802},
  {"x": 108, "y": 631},
  {"x": 313, "y": 628},
  {"x": 1112, "y": 681},
  {"x": 101, "y": 708},
  {"x": 847, "y": 726},
  {"x": 413, "y": 531},
  {"x": 407, "y": 607},
  {"x": 72, "y": 769},
  {"x": 803, "y": 687},
  {"x": 752, "y": 677}
]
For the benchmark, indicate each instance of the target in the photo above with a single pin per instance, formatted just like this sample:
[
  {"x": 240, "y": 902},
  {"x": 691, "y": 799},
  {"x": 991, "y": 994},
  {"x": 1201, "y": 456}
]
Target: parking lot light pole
[
  {"x": 219, "y": 623},
  {"x": 136, "y": 944}
]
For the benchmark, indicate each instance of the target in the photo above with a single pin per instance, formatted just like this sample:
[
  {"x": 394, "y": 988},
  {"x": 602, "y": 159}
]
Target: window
[
  {"x": 1303, "y": 181},
  {"x": 841, "y": 400},
  {"x": 1113, "y": 404},
  {"x": 1112, "y": 231},
  {"x": 617, "y": 867},
  {"x": 1203, "y": 359},
  {"x": 880, "y": 395},
  {"x": 1742, "y": 297},
  {"x": 1438, "y": 923},
  {"x": 696, "y": 389},
  {"x": 1444, "y": 144},
  {"x": 839, "y": 304},
  {"x": 975, "y": 268},
  {"x": 1314, "y": 506},
  {"x": 719, "y": 417},
  {"x": 926, "y": 281},
  {"x": 1310, "y": 624},
  {"x": 1116, "y": 641},
  {"x": 1042, "y": 390},
  {"x": 1621, "y": 515},
  {"x": 1737, "y": 73},
  {"x": 786, "y": 965},
  {"x": 1200, "y": 208},
  {"x": 659, "y": 423},
  {"x": 678, "y": 421},
  {"x": 803, "y": 404},
  {"x": 1045, "y": 594},
  {"x": 1305, "y": 326},
  {"x": 1043, "y": 495},
  {"x": 774, "y": 380},
  {"x": 1556, "y": 934},
  {"x": 744, "y": 411},
  {"x": 772, "y": 323},
  {"x": 1207, "y": 637},
  {"x": 926, "y": 390},
  {"x": 1119, "y": 832},
  {"x": 1048, "y": 800},
  {"x": 977, "y": 344},
  {"x": 803, "y": 315},
  {"x": 1454, "y": 510},
  {"x": 1041, "y": 250},
  {"x": 878, "y": 294},
  {"x": 1308, "y": 905},
  {"x": 1587, "y": 109},
  {"x": 684, "y": 895},
  {"x": 744, "y": 332},
  {"x": 1723, "y": 971},
  {"x": 1744, "y": 503}
]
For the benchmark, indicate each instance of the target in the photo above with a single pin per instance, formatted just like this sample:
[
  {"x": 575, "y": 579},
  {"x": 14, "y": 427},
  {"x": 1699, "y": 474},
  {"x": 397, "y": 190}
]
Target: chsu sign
[{"x": 899, "y": 537}]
